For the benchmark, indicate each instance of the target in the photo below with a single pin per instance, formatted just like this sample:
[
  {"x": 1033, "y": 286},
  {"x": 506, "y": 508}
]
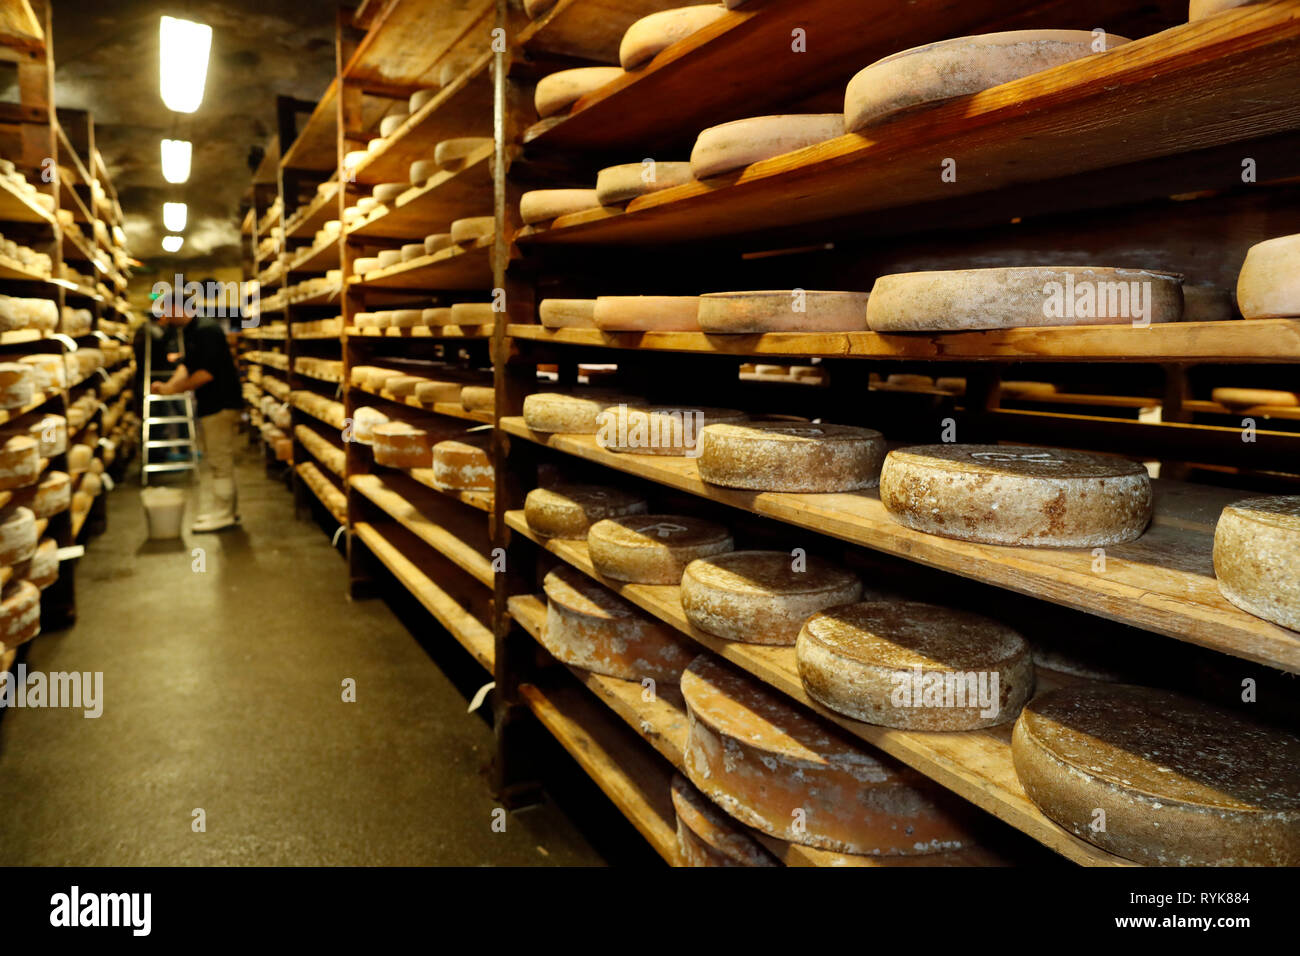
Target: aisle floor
[{"x": 223, "y": 692}]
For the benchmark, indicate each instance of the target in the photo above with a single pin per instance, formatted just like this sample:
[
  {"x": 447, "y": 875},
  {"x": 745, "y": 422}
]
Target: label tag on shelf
[{"x": 71, "y": 552}]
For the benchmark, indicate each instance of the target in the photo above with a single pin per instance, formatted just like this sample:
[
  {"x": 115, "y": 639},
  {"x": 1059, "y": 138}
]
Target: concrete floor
[{"x": 222, "y": 691}]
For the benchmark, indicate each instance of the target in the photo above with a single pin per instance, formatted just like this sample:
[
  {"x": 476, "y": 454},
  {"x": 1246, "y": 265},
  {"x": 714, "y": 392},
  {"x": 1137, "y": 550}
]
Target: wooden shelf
[
  {"x": 482, "y": 500},
  {"x": 319, "y": 258},
  {"x": 316, "y": 147},
  {"x": 456, "y": 268},
  {"x": 449, "y": 409},
  {"x": 462, "y": 539},
  {"x": 1125, "y": 106},
  {"x": 425, "y": 332},
  {"x": 463, "y": 626},
  {"x": 307, "y": 467},
  {"x": 12, "y": 269},
  {"x": 1162, "y": 582},
  {"x": 587, "y": 29},
  {"x": 974, "y": 764},
  {"x": 447, "y": 196},
  {"x": 18, "y": 207},
  {"x": 409, "y": 39},
  {"x": 1254, "y": 340},
  {"x": 318, "y": 212}
]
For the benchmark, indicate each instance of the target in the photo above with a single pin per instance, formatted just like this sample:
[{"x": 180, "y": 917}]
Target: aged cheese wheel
[
  {"x": 576, "y": 413},
  {"x": 786, "y": 311},
  {"x": 422, "y": 170},
  {"x": 437, "y": 317},
  {"x": 791, "y": 457},
  {"x": 619, "y": 184},
  {"x": 1246, "y": 397},
  {"x": 405, "y": 318},
  {"x": 1017, "y": 494},
  {"x": 591, "y": 627},
  {"x": 364, "y": 420},
  {"x": 51, "y": 496},
  {"x": 569, "y": 511},
  {"x": 20, "y": 613},
  {"x": 1031, "y": 296},
  {"x": 389, "y": 257},
  {"x": 915, "y": 666},
  {"x": 387, "y": 192},
  {"x": 49, "y": 371},
  {"x": 708, "y": 837},
  {"x": 653, "y": 549},
  {"x": 365, "y": 264},
  {"x": 478, "y": 398},
  {"x": 1181, "y": 783},
  {"x": 647, "y": 313},
  {"x": 42, "y": 568},
  {"x": 51, "y": 434},
  {"x": 399, "y": 445},
  {"x": 367, "y": 205},
  {"x": 1269, "y": 283},
  {"x": 451, "y": 154},
  {"x": 463, "y": 465},
  {"x": 472, "y": 229},
  {"x": 671, "y": 430},
  {"x": 956, "y": 67},
  {"x": 758, "y": 597},
  {"x": 17, "y": 384},
  {"x": 437, "y": 242},
  {"x": 91, "y": 484},
  {"x": 734, "y": 145},
  {"x": 567, "y": 313},
  {"x": 17, "y": 535},
  {"x": 649, "y": 36},
  {"x": 1257, "y": 557},
  {"x": 376, "y": 145},
  {"x": 20, "y": 462},
  {"x": 774, "y": 767},
  {"x": 472, "y": 313},
  {"x": 561, "y": 90},
  {"x": 1200, "y": 9},
  {"x": 539, "y": 205},
  {"x": 430, "y": 392},
  {"x": 392, "y": 123}
]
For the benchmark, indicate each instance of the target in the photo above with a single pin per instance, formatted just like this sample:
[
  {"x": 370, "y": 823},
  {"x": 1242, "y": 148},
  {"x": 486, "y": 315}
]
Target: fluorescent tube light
[
  {"x": 176, "y": 155},
  {"x": 174, "y": 216},
  {"x": 183, "y": 62},
  {"x": 173, "y": 243}
]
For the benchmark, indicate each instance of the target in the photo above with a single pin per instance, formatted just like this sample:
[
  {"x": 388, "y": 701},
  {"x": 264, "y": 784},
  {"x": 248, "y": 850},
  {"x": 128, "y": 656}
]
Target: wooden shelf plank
[
  {"x": 1162, "y": 582},
  {"x": 1124, "y": 106},
  {"x": 974, "y": 764},
  {"x": 456, "y": 268},
  {"x": 1253, "y": 340},
  {"x": 319, "y": 258},
  {"x": 309, "y": 468},
  {"x": 305, "y": 223},
  {"x": 588, "y": 29},
  {"x": 426, "y": 332},
  {"x": 464, "y": 626},
  {"x": 449, "y": 409},
  {"x": 316, "y": 145},
  {"x": 408, "y": 40},
  {"x": 482, "y": 500},
  {"x": 446, "y": 197}
]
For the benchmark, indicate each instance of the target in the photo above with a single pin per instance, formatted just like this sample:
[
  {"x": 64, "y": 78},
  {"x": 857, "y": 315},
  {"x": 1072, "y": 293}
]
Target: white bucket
[{"x": 164, "y": 508}]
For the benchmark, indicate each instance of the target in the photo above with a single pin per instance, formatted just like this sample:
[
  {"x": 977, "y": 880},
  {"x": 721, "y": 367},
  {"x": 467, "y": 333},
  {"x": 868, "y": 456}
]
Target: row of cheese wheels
[
  {"x": 460, "y": 463},
  {"x": 989, "y": 494},
  {"x": 34, "y": 560},
  {"x": 29, "y": 376},
  {"x": 427, "y": 385},
  {"x": 462, "y": 313},
  {"x": 461, "y": 233}
]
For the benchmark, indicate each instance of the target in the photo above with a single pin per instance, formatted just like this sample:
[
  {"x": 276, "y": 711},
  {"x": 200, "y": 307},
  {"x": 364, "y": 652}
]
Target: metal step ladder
[{"x": 164, "y": 410}]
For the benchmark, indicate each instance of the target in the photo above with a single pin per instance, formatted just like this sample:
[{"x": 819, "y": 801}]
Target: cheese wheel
[
  {"x": 567, "y": 313},
  {"x": 540, "y": 205},
  {"x": 420, "y": 99},
  {"x": 51, "y": 434},
  {"x": 915, "y": 666},
  {"x": 793, "y": 457},
  {"x": 478, "y": 398},
  {"x": 561, "y": 90},
  {"x": 1246, "y": 397},
  {"x": 1269, "y": 283},
  {"x": 1023, "y": 297},
  {"x": 437, "y": 317},
  {"x": 708, "y": 837},
  {"x": 957, "y": 67},
  {"x": 591, "y": 627},
  {"x": 569, "y": 511},
  {"x": 774, "y": 767},
  {"x": 51, "y": 496},
  {"x": 42, "y": 568},
  {"x": 452, "y": 154},
  {"x": 472, "y": 313},
  {"x": 20, "y": 462},
  {"x": 758, "y": 597},
  {"x": 387, "y": 192},
  {"x": 91, "y": 484},
  {"x": 399, "y": 445},
  {"x": 669, "y": 430},
  {"x": 1181, "y": 783},
  {"x": 20, "y": 613},
  {"x": 365, "y": 264},
  {"x": 17, "y": 534},
  {"x": 401, "y": 386},
  {"x": 472, "y": 229},
  {"x": 367, "y": 205},
  {"x": 422, "y": 171},
  {"x": 376, "y": 145},
  {"x": 17, "y": 384},
  {"x": 1200, "y": 9},
  {"x": 576, "y": 413},
  {"x": 392, "y": 123},
  {"x": 49, "y": 371},
  {"x": 653, "y": 549},
  {"x": 437, "y": 242},
  {"x": 364, "y": 420},
  {"x": 431, "y": 392},
  {"x": 647, "y": 313},
  {"x": 1017, "y": 494},
  {"x": 648, "y": 37},
  {"x": 619, "y": 184},
  {"x": 389, "y": 257},
  {"x": 1257, "y": 557},
  {"x": 463, "y": 465},
  {"x": 734, "y": 145},
  {"x": 787, "y": 311}
]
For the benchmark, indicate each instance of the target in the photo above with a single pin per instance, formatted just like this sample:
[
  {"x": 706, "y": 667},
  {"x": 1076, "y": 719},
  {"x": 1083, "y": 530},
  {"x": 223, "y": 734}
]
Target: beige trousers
[{"x": 217, "y": 493}]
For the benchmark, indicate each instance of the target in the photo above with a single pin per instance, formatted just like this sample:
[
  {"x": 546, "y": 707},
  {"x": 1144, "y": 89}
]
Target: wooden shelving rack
[{"x": 1102, "y": 161}]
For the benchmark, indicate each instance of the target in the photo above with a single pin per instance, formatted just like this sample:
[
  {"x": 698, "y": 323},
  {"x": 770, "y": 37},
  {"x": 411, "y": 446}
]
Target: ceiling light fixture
[
  {"x": 173, "y": 243},
  {"x": 176, "y": 155},
  {"x": 183, "y": 62},
  {"x": 174, "y": 216}
]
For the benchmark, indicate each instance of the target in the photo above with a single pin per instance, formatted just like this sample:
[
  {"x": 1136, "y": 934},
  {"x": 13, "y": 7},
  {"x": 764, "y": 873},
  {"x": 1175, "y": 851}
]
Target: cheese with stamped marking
[
  {"x": 734, "y": 145},
  {"x": 654, "y": 548},
  {"x": 708, "y": 837},
  {"x": 1175, "y": 781},
  {"x": 1257, "y": 557},
  {"x": 795, "y": 310},
  {"x": 791, "y": 457},
  {"x": 762, "y": 597},
  {"x": 568, "y": 511},
  {"x": 1017, "y": 495}
]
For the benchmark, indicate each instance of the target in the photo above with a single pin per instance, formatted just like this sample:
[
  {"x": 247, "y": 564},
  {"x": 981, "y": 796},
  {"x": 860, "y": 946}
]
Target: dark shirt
[{"x": 206, "y": 349}]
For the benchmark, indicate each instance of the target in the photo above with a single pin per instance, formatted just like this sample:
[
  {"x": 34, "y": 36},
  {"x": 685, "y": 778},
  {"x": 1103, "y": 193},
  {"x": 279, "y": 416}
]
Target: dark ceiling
[{"x": 106, "y": 60}]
